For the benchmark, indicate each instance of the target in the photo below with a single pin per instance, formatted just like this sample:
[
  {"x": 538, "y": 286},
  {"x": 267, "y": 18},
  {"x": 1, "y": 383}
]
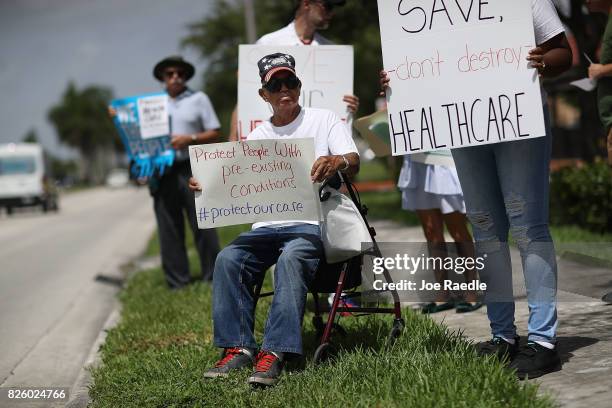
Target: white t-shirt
[
  {"x": 546, "y": 24},
  {"x": 330, "y": 135},
  {"x": 546, "y": 21},
  {"x": 288, "y": 36}
]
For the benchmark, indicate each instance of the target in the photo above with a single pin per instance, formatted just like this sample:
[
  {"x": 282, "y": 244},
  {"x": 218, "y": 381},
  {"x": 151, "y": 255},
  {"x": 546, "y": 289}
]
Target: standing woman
[
  {"x": 506, "y": 188},
  {"x": 434, "y": 193}
]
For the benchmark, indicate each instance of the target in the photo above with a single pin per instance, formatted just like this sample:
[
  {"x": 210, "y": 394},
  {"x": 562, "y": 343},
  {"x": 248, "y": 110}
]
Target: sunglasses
[
  {"x": 172, "y": 72},
  {"x": 276, "y": 84}
]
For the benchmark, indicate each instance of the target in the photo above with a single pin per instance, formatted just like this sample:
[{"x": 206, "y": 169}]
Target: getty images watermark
[
  {"x": 411, "y": 265},
  {"x": 421, "y": 273}
]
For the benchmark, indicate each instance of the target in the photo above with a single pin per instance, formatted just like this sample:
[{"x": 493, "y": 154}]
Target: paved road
[{"x": 51, "y": 305}]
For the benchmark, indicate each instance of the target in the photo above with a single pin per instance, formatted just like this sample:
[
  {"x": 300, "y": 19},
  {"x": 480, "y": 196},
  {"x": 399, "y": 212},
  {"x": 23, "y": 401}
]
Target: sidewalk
[{"x": 584, "y": 334}]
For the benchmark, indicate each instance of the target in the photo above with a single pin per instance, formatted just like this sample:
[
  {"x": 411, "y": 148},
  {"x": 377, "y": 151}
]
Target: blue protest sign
[{"x": 144, "y": 127}]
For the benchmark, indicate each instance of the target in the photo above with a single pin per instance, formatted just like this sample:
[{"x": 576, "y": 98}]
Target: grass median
[{"x": 155, "y": 357}]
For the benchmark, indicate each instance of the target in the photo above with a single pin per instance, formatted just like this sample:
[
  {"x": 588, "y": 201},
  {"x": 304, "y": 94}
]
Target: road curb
[
  {"x": 79, "y": 393},
  {"x": 585, "y": 259}
]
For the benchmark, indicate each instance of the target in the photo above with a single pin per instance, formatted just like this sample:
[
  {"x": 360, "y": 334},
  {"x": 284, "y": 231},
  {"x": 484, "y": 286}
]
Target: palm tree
[{"x": 81, "y": 121}]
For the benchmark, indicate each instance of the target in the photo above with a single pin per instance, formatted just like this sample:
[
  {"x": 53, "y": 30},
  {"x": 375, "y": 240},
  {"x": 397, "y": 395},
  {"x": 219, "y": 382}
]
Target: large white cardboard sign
[
  {"x": 326, "y": 73},
  {"x": 263, "y": 180},
  {"x": 459, "y": 74}
]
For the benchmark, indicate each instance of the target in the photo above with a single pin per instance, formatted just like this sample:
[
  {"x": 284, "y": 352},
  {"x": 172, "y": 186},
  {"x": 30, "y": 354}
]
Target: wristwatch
[
  {"x": 194, "y": 138},
  {"x": 346, "y": 163}
]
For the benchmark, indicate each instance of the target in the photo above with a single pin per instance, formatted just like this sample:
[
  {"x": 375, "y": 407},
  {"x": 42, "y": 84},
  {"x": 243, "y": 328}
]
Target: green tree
[
  {"x": 81, "y": 121},
  {"x": 30, "y": 137},
  {"x": 216, "y": 37}
]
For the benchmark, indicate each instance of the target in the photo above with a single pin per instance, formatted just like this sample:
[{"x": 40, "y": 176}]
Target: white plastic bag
[{"x": 343, "y": 231}]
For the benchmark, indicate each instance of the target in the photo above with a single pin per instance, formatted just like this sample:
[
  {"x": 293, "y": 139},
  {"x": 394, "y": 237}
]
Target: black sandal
[
  {"x": 435, "y": 308},
  {"x": 466, "y": 307}
]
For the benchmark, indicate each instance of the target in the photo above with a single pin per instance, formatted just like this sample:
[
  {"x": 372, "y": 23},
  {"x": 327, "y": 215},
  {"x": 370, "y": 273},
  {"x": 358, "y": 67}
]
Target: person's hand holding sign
[
  {"x": 179, "y": 142},
  {"x": 552, "y": 57},
  {"x": 194, "y": 185},
  {"x": 536, "y": 59},
  {"x": 384, "y": 82},
  {"x": 352, "y": 103},
  {"x": 327, "y": 166}
]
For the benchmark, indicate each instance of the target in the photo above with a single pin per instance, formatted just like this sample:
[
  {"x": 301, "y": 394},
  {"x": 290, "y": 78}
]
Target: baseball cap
[{"x": 273, "y": 63}]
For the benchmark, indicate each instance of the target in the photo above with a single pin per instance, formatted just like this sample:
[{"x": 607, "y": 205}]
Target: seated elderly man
[{"x": 295, "y": 247}]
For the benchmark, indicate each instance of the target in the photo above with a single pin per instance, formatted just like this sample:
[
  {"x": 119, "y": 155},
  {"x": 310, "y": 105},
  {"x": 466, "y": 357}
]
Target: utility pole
[{"x": 249, "y": 21}]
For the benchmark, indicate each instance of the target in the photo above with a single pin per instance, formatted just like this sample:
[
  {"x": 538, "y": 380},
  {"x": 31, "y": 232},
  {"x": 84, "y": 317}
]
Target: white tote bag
[{"x": 343, "y": 231}]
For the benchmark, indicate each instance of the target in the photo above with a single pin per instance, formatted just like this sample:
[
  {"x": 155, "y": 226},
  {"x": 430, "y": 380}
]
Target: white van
[{"x": 23, "y": 181}]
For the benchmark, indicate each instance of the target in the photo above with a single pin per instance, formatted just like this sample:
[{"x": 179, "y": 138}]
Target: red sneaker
[
  {"x": 268, "y": 369},
  {"x": 233, "y": 358}
]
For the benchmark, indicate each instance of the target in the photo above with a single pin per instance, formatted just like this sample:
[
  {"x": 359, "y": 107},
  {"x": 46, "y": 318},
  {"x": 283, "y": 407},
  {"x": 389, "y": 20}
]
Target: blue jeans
[
  {"x": 296, "y": 251},
  {"x": 505, "y": 187}
]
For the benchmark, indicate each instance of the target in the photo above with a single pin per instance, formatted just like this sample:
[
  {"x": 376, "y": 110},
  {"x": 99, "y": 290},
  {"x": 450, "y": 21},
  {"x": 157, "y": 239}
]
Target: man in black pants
[{"x": 192, "y": 121}]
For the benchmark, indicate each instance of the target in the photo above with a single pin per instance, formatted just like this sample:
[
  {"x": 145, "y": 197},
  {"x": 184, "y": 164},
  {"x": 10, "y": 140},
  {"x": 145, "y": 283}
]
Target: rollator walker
[{"x": 339, "y": 278}]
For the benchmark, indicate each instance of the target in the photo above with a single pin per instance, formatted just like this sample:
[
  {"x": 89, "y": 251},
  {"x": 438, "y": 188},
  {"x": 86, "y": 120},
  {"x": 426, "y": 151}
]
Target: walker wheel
[{"x": 322, "y": 353}]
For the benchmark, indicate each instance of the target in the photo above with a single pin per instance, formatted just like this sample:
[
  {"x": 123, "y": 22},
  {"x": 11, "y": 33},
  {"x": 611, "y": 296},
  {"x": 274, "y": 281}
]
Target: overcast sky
[{"x": 114, "y": 43}]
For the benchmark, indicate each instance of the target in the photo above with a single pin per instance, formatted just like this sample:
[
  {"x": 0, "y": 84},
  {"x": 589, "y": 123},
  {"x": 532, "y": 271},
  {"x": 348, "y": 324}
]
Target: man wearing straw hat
[{"x": 192, "y": 121}]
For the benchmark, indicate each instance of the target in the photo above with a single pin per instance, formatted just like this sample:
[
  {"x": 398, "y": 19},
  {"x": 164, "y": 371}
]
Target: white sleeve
[
  {"x": 339, "y": 140},
  {"x": 546, "y": 21},
  {"x": 256, "y": 134},
  {"x": 208, "y": 114}
]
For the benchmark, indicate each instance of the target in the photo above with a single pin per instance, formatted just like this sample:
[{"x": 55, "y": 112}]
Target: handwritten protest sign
[
  {"x": 459, "y": 74},
  {"x": 143, "y": 124},
  {"x": 326, "y": 73},
  {"x": 263, "y": 180}
]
